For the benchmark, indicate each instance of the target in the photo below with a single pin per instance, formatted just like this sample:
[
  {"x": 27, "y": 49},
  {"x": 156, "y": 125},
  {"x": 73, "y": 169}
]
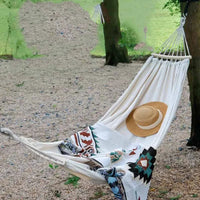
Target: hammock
[{"x": 107, "y": 151}]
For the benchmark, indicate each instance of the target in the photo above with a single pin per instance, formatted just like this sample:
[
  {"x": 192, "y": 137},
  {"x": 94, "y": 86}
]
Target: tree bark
[
  {"x": 192, "y": 30},
  {"x": 112, "y": 34}
]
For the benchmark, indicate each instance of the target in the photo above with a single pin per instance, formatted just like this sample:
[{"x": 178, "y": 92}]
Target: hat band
[{"x": 152, "y": 125}]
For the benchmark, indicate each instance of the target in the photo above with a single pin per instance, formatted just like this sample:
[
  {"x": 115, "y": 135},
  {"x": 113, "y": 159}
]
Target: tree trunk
[
  {"x": 112, "y": 34},
  {"x": 192, "y": 29}
]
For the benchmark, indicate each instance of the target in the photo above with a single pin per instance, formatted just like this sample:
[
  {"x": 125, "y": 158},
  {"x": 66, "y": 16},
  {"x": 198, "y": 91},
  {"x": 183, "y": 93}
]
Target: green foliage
[
  {"x": 98, "y": 194},
  {"x": 72, "y": 180},
  {"x": 134, "y": 16},
  {"x": 57, "y": 193},
  {"x": 167, "y": 167},
  {"x": 173, "y": 6},
  {"x": 54, "y": 1},
  {"x": 12, "y": 42},
  {"x": 99, "y": 50},
  {"x": 11, "y": 39},
  {"x": 12, "y": 3},
  {"x": 162, "y": 193},
  {"x": 20, "y": 84},
  {"x": 195, "y": 195},
  {"x": 139, "y": 54},
  {"x": 53, "y": 166},
  {"x": 6, "y": 57},
  {"x": 87, "y": 5},
  {"x": 129, "y": 37},
  {"x": 175, "y": 198}
]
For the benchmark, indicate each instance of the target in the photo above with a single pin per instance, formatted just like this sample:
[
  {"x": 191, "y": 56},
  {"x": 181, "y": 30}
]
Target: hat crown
[
  {"x": 146, "y": 119},
  {"x": 146, "y": 115}
]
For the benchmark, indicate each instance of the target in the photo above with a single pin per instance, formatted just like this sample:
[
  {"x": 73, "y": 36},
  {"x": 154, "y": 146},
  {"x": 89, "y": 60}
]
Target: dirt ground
[{"x": 50, "y": 97}]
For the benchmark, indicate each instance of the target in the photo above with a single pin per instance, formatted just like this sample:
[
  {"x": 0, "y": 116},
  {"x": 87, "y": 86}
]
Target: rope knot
[
  {"x": 6, "y": 131},
  {"x": 182, "y": 22}
]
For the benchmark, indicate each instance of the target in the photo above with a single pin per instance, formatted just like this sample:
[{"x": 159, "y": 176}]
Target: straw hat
[{"x": 146, "y": 119}]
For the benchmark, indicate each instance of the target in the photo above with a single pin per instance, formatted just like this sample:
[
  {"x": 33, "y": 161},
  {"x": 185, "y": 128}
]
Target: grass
[
  {"x": 156, "y": 21},
  {"x": 72, "y": 180},
  {"x": 57, "y": 193},
  {"x": 53, "y": 166},
  {"x": 141, "y": 21},
  {"x": 12, "y": 42},
  {"x": 162, "y": 193},
  {"x": 20, "y": 84},
  {"x": 167, "y": 167},
  {"x": 175, "y": 198},
  {"x": 195, "y": 195},
  {"x": 98, "y": 194},
  {"x": 161, "y": 25}
]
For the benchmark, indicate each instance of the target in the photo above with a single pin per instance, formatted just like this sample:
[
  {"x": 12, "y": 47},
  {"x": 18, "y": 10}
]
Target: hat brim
[{"x": 134, "y": 129}]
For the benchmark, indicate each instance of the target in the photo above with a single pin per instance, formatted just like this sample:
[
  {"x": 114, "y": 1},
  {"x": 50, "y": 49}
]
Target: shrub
[{"x": 129, "y": 37}]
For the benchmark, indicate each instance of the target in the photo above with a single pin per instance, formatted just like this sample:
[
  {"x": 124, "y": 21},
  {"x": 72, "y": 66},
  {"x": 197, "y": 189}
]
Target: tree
[
  {"x": 112, "y": 33},
  {"x": 192, "y": 30}
]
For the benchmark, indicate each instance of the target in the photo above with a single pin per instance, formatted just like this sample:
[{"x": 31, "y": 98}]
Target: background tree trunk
[
  {"x": 112, "y": 34},
  {"x": 192, "y": 29}
]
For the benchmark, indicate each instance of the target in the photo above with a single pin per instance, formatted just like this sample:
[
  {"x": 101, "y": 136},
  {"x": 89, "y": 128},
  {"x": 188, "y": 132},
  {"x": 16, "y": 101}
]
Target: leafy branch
[{"x": 173, "y": 6}]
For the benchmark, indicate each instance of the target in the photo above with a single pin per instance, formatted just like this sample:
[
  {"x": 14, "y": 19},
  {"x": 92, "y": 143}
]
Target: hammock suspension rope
[{"x": 175, "y": 47}]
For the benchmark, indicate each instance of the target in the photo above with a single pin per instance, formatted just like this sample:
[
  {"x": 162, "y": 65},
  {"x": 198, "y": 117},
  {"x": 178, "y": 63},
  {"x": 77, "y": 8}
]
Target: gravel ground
[{"x": 51, "y": 97}]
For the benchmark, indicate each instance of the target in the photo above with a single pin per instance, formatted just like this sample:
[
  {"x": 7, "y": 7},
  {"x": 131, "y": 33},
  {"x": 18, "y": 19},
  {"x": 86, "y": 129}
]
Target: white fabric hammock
[{"x": 107, "y": 151}]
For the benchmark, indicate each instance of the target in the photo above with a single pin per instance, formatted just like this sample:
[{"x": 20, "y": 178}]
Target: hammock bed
[{"x": 108, "y": 151}]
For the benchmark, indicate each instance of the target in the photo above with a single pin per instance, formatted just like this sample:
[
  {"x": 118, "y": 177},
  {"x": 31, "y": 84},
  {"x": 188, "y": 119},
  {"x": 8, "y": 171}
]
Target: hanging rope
[
  {"x": 175, "y": 47},
  {"x": 97, "y": 13}
]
